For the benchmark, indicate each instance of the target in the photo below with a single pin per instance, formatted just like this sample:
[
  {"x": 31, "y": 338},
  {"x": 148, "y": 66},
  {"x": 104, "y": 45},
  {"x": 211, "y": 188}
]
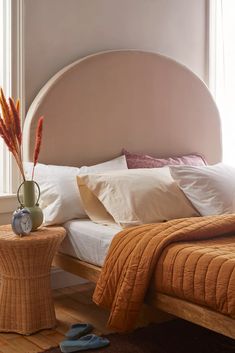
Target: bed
[{"x": 138, "y": 100}]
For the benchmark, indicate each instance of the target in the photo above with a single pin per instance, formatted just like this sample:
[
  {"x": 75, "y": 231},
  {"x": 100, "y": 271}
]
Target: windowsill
[
  {"x": 7, "y": 196},
  {"x": 8, "y": 203}
]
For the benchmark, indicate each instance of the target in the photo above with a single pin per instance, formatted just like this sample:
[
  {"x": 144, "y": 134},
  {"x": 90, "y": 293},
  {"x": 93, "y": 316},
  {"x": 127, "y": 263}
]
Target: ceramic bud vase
[{"x": 30, "y": 201}]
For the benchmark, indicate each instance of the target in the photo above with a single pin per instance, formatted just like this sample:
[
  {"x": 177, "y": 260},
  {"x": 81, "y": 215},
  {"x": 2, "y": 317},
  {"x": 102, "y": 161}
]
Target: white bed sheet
[{"x": 88, "y": 241}]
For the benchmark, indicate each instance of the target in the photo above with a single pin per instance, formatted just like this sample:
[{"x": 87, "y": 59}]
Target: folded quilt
[
  {"x": 199, "y": 272},
  {"x": 135, "y": 253}
]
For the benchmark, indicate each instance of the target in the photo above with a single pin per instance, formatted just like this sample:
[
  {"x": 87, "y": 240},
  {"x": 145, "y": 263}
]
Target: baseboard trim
[{"x": 62, "y": 279}]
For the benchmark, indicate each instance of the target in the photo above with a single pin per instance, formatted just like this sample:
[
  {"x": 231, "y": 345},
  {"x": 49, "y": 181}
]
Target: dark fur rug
[{"x": 177, "y": 336}]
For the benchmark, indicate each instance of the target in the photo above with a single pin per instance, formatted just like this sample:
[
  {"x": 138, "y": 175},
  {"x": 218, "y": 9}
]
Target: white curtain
[
  {"x": 5, "y": 83},
  {"x": 1, "y": 84},
  {"x": 223, "y": 58}
]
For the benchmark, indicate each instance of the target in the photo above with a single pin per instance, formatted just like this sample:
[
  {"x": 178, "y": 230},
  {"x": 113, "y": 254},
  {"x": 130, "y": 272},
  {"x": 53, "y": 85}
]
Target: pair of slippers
[{"x": 79, "y": 339}]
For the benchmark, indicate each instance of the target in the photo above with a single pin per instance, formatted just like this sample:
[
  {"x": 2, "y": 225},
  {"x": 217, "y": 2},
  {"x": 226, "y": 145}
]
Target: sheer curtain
[
  {"x": 223, "y": 72},
  {"x": 5, "y": 83},
  {"x": 2, "y": 155}
]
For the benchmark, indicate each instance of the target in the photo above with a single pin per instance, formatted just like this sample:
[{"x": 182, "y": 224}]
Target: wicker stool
[{"x": 26, "y": 304}]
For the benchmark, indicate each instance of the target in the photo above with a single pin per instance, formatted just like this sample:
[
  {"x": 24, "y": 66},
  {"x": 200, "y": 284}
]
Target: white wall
[{"x": 58, "y": 32}]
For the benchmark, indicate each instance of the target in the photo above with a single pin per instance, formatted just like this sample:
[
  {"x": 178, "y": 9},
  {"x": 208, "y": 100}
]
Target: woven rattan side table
[{"x": 26, "y": 304}]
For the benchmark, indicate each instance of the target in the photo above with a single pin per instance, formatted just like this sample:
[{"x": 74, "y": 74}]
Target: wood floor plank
[
  {"x": 64, "y": 321},
  {"x": 41, "y": 340},
  {"x": 85, "y": 313},
  {"x": 3, "y": 342},
  {"x": 7, "y": 349},
  {"x": 23, "y": 345},
  {"x": 54, "y": 337},
  {"x": 9, "y": 336}
]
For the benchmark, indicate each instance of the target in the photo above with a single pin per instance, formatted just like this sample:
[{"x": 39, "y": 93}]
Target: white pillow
[
  {"x": 211, "y": 189},
  {"x": 132, "y": 197},
  {"x": 60, "y": 199}
]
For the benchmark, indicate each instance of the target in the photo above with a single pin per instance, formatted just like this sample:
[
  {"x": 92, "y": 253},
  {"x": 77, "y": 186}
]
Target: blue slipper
[
  {"x": 86, "y": 342},
  {"x": 78, "y": 330}
]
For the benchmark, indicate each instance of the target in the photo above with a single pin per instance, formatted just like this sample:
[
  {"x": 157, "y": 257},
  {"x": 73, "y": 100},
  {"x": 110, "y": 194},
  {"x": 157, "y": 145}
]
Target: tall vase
[{"x": 30, "y": 201}]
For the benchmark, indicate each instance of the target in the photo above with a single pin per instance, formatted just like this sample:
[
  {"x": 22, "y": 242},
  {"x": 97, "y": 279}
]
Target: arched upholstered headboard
[{"x": 142, "y": 101}]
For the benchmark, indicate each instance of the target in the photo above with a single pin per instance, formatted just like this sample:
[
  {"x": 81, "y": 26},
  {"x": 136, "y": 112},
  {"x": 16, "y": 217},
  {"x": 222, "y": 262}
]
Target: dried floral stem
[
  {"x": 11, "y": 132},
  {"x": 20, "y": 165},
  {"x": 5, "y": 110},
  {"x": 4, "y": 134},
  {"x": 38, "y": 142},
  {"x": 16, "y": 121}
]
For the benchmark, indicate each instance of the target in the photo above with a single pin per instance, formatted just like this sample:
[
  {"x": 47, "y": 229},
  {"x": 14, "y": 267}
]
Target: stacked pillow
[
  {"x": 154, "y": 190},
  {"x": 60, "y": 198},
  {"x": 133, "y": 197},
  {"x": 138, "y": 196},
  {"x": 210, "y": 189}
]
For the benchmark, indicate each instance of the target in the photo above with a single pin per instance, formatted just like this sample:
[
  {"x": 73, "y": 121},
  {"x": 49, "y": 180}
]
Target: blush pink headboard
[{"x": 142, "y": 101}]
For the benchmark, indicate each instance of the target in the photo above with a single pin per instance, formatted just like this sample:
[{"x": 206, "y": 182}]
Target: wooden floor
[{"x": 72, "y": 305}]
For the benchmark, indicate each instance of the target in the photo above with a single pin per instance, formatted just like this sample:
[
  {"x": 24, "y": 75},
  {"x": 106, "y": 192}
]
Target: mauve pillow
[{"x": 141, "y": 160}]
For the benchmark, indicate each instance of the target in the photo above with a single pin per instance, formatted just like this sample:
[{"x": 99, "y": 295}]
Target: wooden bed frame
[
  {"x": 174, "y": 306},
  {"x": 142, "y": 101}
]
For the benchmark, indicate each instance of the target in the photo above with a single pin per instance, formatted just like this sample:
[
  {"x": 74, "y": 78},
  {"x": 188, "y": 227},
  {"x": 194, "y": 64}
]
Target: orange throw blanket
[{"x": 133, "y": 256}]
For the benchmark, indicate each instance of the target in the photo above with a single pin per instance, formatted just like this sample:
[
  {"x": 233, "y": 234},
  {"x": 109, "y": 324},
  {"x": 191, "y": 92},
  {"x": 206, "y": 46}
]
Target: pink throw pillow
[{"x": 141, "y": 160}]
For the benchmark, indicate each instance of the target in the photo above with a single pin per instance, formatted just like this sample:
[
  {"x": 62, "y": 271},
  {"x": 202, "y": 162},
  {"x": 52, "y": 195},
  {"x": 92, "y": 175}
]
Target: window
[
  {"x": 222, "y": 70},
  {"x": 10, "y": 30},
  {"x": 5, "y": 61}
]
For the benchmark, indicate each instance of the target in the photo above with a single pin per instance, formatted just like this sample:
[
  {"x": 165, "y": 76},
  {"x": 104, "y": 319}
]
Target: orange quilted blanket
[{"x": 134, "y": 256}]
